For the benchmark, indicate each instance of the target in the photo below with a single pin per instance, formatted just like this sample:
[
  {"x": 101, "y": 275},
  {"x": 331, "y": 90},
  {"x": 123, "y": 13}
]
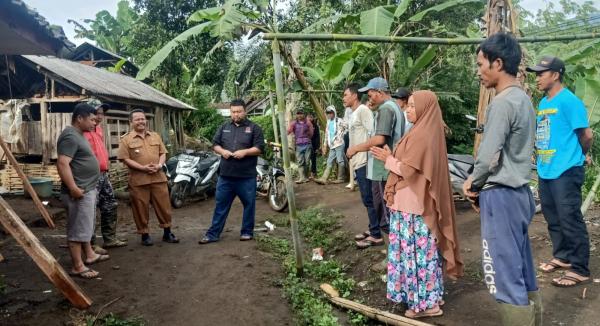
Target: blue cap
[{"x": 376, "y": 83}]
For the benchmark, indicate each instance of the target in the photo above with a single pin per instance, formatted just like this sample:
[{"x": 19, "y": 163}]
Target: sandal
[
  {"x": 86, "y": 274},
  {"x": 576, "y": 281},
  {"x": 553, "y": 267},
  {"x": 114, "y": 244},
  {"x": 362, "y": 236},
  {"x": 366, "y": 243},
  {"x": 422, "y": 314},
  {"x": 98, "y": 259}
]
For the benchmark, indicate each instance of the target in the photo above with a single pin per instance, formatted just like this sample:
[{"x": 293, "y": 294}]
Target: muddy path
[{"x": 233, "y": 283}]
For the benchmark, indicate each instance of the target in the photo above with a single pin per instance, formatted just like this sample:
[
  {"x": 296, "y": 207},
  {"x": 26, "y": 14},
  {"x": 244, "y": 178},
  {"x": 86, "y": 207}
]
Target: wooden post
[
  {"x": 45, "y": 132},
  {"x": 42, "y": 257},
  {"x": 26, "y": 185}
]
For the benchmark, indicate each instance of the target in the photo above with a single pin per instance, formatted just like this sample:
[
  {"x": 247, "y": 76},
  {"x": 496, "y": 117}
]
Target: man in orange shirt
[{"x": 106, "y": 202}]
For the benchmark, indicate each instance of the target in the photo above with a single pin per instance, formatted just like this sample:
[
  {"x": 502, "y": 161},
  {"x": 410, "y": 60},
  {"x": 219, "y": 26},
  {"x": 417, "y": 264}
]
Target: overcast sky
[{"x": 58, "y": 12}]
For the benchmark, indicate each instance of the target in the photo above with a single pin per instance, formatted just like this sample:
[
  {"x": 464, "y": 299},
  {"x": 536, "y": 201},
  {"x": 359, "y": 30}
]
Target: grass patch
[{"x": 318, "y": 229}]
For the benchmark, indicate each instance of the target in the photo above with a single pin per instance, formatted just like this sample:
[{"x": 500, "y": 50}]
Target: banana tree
[
  {"x": 230, "y": 22},
  {"x": 358, "y": 59}
]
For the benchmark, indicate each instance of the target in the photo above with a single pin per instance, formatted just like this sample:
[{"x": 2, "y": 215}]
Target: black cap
[
  {"x": 548, "y": 63},
  {"x": 300, "y": 111},
  {"x": 401, "y": 93}
]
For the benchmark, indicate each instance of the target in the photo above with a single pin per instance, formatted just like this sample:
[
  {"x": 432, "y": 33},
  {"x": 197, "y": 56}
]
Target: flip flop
[
  {"x": 575, "y": 281},
  {"x": 99, "y": 250},
  {"x": 366, "y": 243},
  {"x": 98, "y": 259},
  {"x": 83, "y": 273},
  {"x": 362, "y": 236},
  {"x": 554, "y": 267},
  {"x": 423, "y": 314}
]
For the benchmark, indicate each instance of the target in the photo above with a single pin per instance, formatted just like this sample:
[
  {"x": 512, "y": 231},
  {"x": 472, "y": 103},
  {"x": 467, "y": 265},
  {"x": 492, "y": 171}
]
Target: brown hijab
[{"x": 424, "y": 150}]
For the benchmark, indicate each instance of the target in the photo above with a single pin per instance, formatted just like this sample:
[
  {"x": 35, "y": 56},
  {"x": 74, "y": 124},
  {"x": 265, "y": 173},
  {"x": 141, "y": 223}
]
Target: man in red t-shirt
[{"x": 106, "y": 202}]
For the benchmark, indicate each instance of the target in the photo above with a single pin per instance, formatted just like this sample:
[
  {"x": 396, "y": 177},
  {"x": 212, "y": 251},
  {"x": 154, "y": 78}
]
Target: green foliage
[
  {"x": 357, "y": 319},
  {"x": 113, "y": 320},
  {"x": 110, "y": 33},
  {"x": 309, "y": 305},
  {"x": 160, "y": 56},
  {"x": 204, "y": 121},
  {"x": 318, "y": 227}
]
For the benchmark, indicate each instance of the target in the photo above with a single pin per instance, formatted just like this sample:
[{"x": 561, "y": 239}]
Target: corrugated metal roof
[{"x": 101, "y": 82}]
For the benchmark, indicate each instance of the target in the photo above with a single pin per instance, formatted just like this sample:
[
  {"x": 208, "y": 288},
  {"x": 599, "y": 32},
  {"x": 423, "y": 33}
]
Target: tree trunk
[
  {"x": 315, "y": 100},
  {"x": 499, "y": 17}
]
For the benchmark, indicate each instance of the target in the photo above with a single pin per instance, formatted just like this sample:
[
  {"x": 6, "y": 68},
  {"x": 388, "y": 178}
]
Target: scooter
[
  {"x": 192, "y": 174},
  {"x": 270, "y": 179},
  {"x": 461, "y": 166}
]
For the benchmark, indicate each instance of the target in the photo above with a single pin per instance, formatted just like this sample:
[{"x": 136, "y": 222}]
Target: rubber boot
[
  {"x": 536, "y": 298},
  {"x": 323, "y": 180},
  {"x": 108, "y": 222},
  {"x": 341, "y": 174},
  {"x": 301, "y": 176},
  {"x": 512, "y": 315}
]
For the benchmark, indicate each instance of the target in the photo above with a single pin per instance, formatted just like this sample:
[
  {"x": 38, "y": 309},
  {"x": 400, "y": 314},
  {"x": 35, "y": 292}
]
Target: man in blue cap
[
  {"x": 382, "y": 134},
  {"x": 563, "y": 138}
]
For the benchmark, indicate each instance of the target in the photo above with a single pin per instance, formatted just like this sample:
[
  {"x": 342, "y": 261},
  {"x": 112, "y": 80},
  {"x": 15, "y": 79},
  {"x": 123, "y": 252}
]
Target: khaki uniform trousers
[{"x": 158, "y": 195}]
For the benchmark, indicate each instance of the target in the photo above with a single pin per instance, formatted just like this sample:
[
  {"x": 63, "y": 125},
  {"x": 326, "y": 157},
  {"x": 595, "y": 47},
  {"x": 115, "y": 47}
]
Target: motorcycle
[
  {"x": 191, "y": 174},
  {"x": 270, "y": 179},
  {"x": 461, "y": 166}
]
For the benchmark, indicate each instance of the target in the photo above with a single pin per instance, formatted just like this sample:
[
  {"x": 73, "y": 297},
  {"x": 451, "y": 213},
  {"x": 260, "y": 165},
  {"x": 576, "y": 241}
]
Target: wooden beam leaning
[
  {"x": 383, "y": 316},
  {"x": 26, "y": 185},
  {"x": 42, "y": 257}
]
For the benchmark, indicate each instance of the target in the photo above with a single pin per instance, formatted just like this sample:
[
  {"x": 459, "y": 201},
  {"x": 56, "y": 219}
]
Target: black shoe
[
  {"x": 147, "y": 242},
  {"x": 170, "y": 238}
]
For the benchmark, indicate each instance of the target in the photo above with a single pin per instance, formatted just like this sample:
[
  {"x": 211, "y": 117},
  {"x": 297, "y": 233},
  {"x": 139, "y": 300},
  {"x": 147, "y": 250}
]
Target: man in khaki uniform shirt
[{"x": 144, "y": 153}]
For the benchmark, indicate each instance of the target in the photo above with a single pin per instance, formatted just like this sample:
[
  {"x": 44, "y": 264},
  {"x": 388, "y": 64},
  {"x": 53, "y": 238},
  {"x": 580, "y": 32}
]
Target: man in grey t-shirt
[
  {"x": 383, "y": 134},
  {"x": 79, "y": 172},
  {"x": 500, "y": 179}
]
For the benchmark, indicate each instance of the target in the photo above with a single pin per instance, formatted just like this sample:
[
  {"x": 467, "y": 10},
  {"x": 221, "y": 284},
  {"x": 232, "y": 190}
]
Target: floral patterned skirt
[{"x": 414, "y": 264}]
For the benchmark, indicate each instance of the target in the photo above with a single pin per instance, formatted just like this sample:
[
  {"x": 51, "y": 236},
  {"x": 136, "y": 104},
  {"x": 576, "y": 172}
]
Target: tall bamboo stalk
[
  {"x": 289, "y": 182},
  {"x": 274, "y": 118}
]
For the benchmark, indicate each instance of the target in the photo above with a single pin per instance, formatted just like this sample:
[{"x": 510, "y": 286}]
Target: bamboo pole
[
  {"x": 289, "y": 183},
  {"x": 591, "y": 195},
  {"x": 274, "y": 118},
  {"x": 383, "y": 316},
  {"x": 417, "y": 40}
]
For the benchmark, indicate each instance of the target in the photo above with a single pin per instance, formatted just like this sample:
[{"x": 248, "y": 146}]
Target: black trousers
[{"x": 561, "y": 206}]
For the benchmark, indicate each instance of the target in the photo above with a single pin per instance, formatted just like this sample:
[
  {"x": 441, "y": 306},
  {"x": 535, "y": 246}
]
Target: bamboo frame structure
[{"x": 415, "y": 40}]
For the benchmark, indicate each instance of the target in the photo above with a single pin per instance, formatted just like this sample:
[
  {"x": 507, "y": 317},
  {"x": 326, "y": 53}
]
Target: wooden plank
[
  {"x": 26, "y": 184},
  {"x": 35, "y": 138},
  {"x": 44, "y": 123},
  {"x": 42, "y": 257}
]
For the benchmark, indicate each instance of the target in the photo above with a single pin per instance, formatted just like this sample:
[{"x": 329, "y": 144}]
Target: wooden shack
[{"x": 46, "y": 89}]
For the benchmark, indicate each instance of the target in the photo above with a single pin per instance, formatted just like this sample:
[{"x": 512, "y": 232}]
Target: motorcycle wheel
[
  {"x": 178, "y": 194},
  {"x": 277, "y": 195}
]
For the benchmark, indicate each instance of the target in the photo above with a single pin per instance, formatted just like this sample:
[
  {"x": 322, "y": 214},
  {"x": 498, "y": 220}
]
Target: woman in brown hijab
[{"x": 418, "y": 193}]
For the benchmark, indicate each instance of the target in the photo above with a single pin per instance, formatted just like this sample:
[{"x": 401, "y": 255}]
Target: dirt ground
[{"x": 232, "y": 283}]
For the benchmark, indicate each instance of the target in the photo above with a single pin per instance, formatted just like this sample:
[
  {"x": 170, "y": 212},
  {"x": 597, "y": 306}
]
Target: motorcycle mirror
[{"x": 470, "y": 117}]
